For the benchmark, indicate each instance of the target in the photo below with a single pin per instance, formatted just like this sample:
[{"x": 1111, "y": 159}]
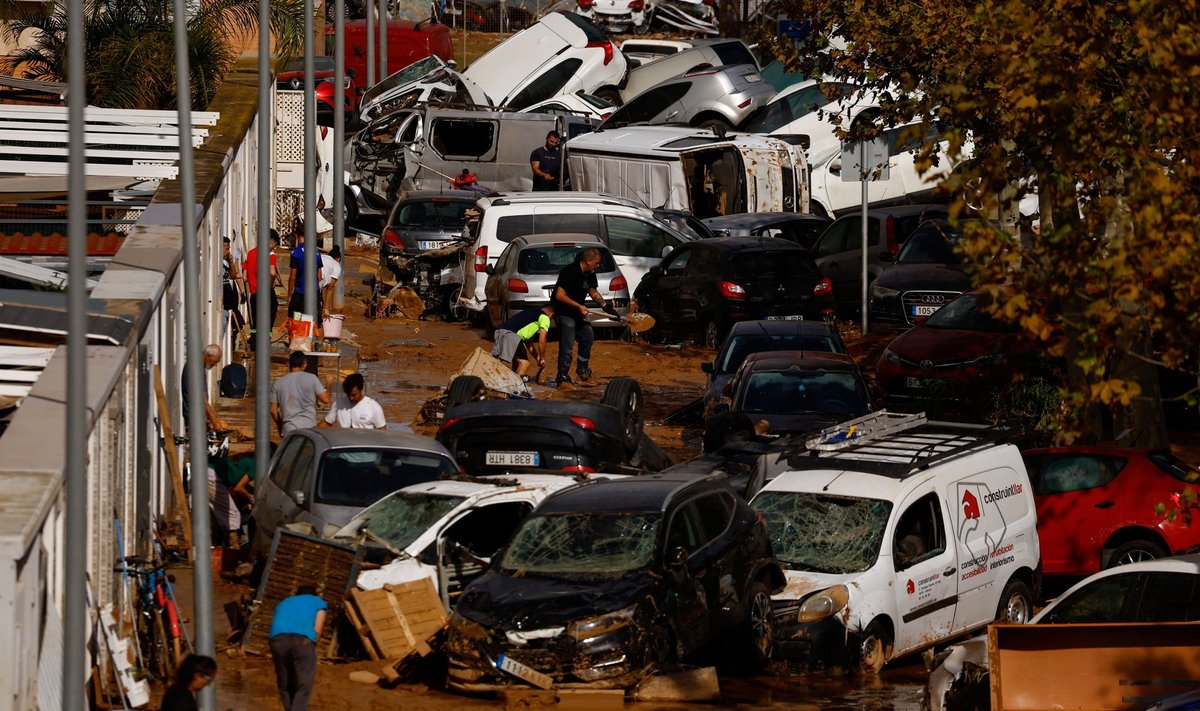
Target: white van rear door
[{"x": 925, "y": 562}]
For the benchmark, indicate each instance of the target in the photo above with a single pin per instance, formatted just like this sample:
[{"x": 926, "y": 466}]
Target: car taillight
[
  {"x": 892, "y": 246},
  {"x": 730, "y": 290},
  {"x": 823, "y": 287},
  {"x": 586, "y": 4},
  {"x": 584, "y": 422},
  {"x": 637, "y": 6},
  {"x": 618, "y": 284},
  {"x": 710, "y": 3},
  {"x": 518, "y": 286},
  {"x": 481, "y": 259},
  {"x": 745, "y": 103},
  {"x": 582, "y": 468},
  {"x": 605, "y": 45},
  {"x": 392, "y": 237},
  {"x": 451, "y": 422}
]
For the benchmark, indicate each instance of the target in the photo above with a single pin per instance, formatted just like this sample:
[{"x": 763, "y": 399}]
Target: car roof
[
  {"x": 748, "y": 244},
  {"x": 581, "y": 238},
  {"x": 802, "y": 360},
  {"x": 1189, "y": 564},
  {"x": 556, "y": 197},
  {"x": 757, "y": 219},
  {"x": 476, "y": 486},
  {"x": 901, "y": 211},
  {"x": 646, "y": 493},
  {"x": 353, "y": 437},
  {"x": 781, "y": 327},
  {"x": 426, "y": 195}
]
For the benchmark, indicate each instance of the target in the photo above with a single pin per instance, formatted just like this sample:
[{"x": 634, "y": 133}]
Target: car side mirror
[
  {"x": 886, "y": 257},
  {"x": 298, "y": 497},
  {"x": 490, "y": 269},
  {"x": 452, "y": 64},
  {"x": 707, "y": 367},
  {"x": 679, "y": 559}
]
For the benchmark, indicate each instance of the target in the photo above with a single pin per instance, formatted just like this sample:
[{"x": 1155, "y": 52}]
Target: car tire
[
  {"x": 349, "y": 207},
  {"x": 625, "y": 394},
  {"x": 759, "y": 636},
  {"x": 609, "y": 94},
  {"x": 875, "y": 648},
  {"x": 464, "y": 389},
  {"x": 713, "y": 122},
  {"x": 455, "y": 311},
  {"x": 1135, "y": 551},
  {"x": 710, "y": 334},
  {"x": 1016, "y": 603}
]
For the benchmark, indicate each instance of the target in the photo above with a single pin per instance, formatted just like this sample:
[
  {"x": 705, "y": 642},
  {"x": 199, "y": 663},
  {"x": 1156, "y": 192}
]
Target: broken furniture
[{"x": 396, "y": 621}]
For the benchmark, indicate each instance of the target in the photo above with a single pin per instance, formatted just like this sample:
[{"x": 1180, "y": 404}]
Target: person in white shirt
[
  {"x": 353, "y": 409},
  {"x": 331, "y": 271}
]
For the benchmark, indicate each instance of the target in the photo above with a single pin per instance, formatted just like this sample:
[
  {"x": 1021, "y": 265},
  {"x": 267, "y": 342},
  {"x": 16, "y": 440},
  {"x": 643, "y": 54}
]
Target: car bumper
[{"x": 818, "y": 645}]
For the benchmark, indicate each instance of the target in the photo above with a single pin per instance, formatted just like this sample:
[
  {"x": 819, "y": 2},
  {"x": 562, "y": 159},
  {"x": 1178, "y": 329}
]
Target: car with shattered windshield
[
  {"x": 610, "y": 580},
  {"x": 896, "y": 533}
]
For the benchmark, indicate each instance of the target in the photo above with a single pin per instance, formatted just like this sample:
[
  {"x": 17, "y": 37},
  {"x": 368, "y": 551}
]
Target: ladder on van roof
[{"x": 894, "y": 444}]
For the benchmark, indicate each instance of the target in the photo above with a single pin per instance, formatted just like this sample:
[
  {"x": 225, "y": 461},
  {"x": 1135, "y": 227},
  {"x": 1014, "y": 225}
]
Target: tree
[
  {"x": 131, "y": 46},
  {"x": 1097, "y": 103}
]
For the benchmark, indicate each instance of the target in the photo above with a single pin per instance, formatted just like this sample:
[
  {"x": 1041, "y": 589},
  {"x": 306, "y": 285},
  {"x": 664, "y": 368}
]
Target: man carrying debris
[
  {"x": 294, "y": 397},
  {"x": 295, "y": 629},
  {"x": 575, "y": 283},
  {"x": 354, "y": 410},
  {"x": 514, "y": 338}
]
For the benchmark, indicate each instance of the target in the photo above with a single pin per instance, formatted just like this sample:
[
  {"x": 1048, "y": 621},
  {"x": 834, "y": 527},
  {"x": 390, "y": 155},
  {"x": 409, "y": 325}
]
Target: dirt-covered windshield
[
  {"x": 402, "y": 518},
  {"x": 823, "y": 533},
  {"x": 582, "y": 545}
]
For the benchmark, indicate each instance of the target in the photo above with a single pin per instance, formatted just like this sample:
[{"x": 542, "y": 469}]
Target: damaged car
[
  {"x": 689, "y": 15},
  {"x": 610, "y": 580},
  {"x": 617, "y": 17}
]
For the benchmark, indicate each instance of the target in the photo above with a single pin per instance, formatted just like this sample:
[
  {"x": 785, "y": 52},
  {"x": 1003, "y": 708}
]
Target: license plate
[
  {"x": 513, "y": 459},
  {"x": 521, "y": 671},
  {"x": 919, "y": 383},
  {"x": 923, "y": 310},
  {"x": 752, "y": 77},
  {"x": 427, "y": 244},
  {"x": 793, "y": 317}
]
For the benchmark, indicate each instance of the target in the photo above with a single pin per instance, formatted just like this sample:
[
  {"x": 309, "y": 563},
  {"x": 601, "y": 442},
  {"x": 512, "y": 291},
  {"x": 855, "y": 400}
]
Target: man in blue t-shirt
[
  {"x": 295, "y": 629},
  {"x": 297, "y": 283},
  {"x": 514, "y": 338},
  {"x": 546, "y": 162}
]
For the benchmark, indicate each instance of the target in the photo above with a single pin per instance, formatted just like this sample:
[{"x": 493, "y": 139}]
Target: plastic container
[{"x": 332, "y": 326}]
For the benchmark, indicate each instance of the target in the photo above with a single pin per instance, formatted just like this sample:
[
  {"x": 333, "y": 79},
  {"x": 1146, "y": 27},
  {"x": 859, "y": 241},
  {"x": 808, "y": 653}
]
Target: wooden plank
[
  {"x": 168, "y": 443},
  {"x": 360, "y": 627}
]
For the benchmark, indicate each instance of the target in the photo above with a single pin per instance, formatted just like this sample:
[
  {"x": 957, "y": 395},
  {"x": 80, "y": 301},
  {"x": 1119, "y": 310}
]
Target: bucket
[{"x": 332, "y": 326}]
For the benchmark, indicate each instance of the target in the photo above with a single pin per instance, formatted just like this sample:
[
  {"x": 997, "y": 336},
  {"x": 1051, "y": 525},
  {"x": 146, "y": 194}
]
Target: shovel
[{"x": 636, "y": 321}]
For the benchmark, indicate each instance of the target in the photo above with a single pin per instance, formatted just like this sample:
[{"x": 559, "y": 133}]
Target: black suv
[
  {"x": 702, "y": 288},
  {"x": 424, "y": 220},
  {"x": 488, "y": 436},
  {"x": 610, "y": 580}
]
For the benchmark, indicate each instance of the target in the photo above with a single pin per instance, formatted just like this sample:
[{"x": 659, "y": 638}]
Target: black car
[
  {"x": 748, "y": 337},
  {"x": 928, "y": 274},
  {"x": 793, "y": 226},
  {"x": 488, "y": 437},
  {"x": 704, "y": 287},
  {"x": 608, "y": 581},
  {"x": 424, "y": 220},
  {"x": 795, "y": 392}
]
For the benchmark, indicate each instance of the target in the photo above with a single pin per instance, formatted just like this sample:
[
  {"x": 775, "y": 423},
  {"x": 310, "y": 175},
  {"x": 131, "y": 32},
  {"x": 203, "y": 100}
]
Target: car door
[
  {"x": 271, "y": 494},
  {"x": 664, "y": 299},
  {"x": 467, "y": 543},
  {"x": 724, "y": 559},
  {"x": 298, "y": 489},
  {"x": 637, "y": 245},
  {"x": 495, "y": 287},
  {"x": 841, "y": 258},
  {"x": 687, "y": 601},
  {"x": 926, "y": 572},
  {"x": 1076, "y": 494}
]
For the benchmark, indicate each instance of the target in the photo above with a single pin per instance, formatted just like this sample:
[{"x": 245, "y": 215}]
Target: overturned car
[{"x": 610, "y": 580}]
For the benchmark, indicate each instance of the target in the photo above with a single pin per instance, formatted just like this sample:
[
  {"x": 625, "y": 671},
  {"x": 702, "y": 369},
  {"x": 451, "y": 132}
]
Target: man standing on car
[
  {"x": 576, "y": 282},
  {"x": 546, "y": 162},
  {"x": 514, "y": 338}
]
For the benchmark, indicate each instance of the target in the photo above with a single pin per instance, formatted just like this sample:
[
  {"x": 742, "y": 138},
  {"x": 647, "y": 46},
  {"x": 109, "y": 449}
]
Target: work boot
[{"x": 563, "y": 379}]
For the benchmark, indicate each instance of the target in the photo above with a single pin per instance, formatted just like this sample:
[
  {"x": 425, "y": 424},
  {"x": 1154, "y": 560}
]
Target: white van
[
  {"x": 637, "y": 236},
  {"x": 694, "y": 169},
  {"x": 896, "y": 534}
]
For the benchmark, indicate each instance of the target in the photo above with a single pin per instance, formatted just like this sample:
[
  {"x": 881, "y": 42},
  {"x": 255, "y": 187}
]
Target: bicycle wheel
[{"x": 158, "y": 661}]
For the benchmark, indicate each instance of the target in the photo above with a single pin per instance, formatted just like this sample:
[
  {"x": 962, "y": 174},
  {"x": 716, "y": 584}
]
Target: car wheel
[
  {"x": 710, "y": 334},
  {"x": 455, "y": 311},
  {"x": 1134, "y": 552},
  {"x": 760, "y": 626},
  {"x": 1016, "y": 603},
  {"x": 875, "y": 648},
  {"x": 714, "y": 121},
  {"x": 464, "y": 389},
  {"x": 625, "y": 394},
  {"x": 610, "y": 95},
  {"x": 349, "y": 207}
]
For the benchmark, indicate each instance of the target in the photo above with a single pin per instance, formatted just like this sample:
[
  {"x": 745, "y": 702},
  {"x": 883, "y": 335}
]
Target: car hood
[
  {"x": 799, "y": 422},
  {"x": 947, "y": 345},
  {"x": 501, "y": 601},
  {"x": 950, "y": 277},
  {"x": 801, "y": 584}
]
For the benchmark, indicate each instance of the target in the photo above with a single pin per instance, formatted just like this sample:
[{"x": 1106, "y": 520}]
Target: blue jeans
[{"x": 569, "y": 331}]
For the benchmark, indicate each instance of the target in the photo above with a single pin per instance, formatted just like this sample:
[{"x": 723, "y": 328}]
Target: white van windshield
[{"x": 823, "y": 533}]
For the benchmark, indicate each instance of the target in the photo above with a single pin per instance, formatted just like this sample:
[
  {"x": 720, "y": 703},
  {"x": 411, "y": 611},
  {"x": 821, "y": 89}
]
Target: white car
[
  {"x": 562, "y": 53},
  {"x": 644, "y": 51},
  {"x": 427, "y": 81},
  {"x": 577, "y": 104},
  {"x": 804, "y": 109},
  {"x": 1162, "y": 590},
  {"x": 447, "y": 530},
  {"x": 617, "y": 16}
]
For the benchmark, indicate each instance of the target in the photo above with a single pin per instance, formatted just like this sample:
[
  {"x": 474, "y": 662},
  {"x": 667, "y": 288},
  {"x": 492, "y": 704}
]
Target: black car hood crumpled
[{"x": 499, "y": 601}]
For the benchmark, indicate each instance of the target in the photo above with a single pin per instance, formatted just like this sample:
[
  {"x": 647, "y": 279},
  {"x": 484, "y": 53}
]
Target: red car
[{"x": 1096, "y": 506}]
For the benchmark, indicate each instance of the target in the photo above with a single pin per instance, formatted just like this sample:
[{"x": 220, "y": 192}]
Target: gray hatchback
[
  {"x": 421, "y": 221},
  {"x": 324, "y": 477},
  {"x": 705, "y": 96},
  {"x": 528, "y": 268}
]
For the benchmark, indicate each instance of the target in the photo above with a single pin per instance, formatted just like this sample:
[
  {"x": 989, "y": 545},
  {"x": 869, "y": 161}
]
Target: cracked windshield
[
  {"x": 824, "y": 534},
  {"x": 607, "y": 545},
  {"x": 405, "y": 516}
]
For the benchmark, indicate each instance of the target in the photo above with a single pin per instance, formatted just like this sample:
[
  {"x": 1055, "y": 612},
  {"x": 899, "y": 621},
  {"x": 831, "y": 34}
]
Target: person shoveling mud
[{"x": 514, "y": 339}]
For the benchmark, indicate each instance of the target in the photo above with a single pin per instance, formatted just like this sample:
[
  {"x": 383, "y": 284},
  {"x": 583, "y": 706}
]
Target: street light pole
[
  {"x": 310, "y": 281},
  {"x": 266, "y": 283},
  {"x": 339, "y": 145}
]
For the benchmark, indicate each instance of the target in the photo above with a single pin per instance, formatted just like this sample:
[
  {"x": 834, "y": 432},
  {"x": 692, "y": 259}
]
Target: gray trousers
[{"x": 295, "y": 658}]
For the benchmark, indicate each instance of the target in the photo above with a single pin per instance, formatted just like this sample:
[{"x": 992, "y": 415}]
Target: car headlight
[
  {"x": 890, "y": 357},
  {"x": 601, "y": 624},
  {"x": 882, "y": 292},
  {"x": 824, "y": 604}
]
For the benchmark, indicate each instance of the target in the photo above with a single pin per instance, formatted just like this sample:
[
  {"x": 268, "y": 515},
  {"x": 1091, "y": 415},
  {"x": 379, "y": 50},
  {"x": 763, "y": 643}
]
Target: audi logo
[{"x": 933, "y": 299}]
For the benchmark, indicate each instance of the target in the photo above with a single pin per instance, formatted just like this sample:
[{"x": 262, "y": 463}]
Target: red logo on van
[
  {"x": 910, "y": 587},
  {"x": 970, "y": 505}
]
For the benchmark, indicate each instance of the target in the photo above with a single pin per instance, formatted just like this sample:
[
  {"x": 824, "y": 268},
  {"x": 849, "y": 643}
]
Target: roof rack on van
[{"x": 894, "y": 444}]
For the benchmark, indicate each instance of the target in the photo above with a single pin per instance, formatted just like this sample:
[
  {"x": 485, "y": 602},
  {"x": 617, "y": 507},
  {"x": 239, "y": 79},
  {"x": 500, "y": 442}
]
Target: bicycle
[{"x": 160, "y": 633}]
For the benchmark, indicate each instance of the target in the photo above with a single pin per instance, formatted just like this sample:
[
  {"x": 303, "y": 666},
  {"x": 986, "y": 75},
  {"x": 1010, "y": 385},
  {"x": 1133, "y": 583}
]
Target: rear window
[
  {"x": 440, "y": 214},
  {"x": 790, "y": 263},
  {"x": 1175, "y": 467},
  {"x": 469, "y": 139},
  {"x": 590, "y": 31},
  {"x": 550, "y": 259},
  {"x": 906, "y": 224},
  {"x": 735, "y": 53},
  {"x": 930, "y": 244},
  {"x": 514, "y": 226},
  {"x": 1062, "y": 473},
  {"x": 360, "y": 477},
  {"x": 743, "y": 345}
]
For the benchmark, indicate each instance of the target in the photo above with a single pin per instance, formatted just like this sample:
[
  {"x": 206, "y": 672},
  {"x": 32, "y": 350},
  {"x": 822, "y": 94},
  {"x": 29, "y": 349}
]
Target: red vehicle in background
[
  {"x": 1097, "y": 506},
  {"x": 291, "y": 77},
  {"x": 407, "y": 42}
]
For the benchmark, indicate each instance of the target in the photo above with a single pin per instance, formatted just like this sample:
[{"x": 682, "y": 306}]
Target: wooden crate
[{"x": 396, "y": 620}]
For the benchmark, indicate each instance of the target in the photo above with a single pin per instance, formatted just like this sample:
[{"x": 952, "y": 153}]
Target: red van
[{"x": 407, "y": 42}]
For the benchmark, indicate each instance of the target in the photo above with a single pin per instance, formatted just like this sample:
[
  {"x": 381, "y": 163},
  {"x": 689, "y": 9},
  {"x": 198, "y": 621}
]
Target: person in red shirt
[{"x": 252, "y": 281}]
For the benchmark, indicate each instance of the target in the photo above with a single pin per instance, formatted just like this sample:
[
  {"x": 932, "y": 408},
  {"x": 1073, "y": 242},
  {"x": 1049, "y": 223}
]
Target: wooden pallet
[{"x": 396, "y": 620}]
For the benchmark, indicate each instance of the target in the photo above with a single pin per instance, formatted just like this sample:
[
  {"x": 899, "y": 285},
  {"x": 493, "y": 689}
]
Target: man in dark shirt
[
  {"x": 575, "y": 283},
  {"x": 546, "y": 162}
]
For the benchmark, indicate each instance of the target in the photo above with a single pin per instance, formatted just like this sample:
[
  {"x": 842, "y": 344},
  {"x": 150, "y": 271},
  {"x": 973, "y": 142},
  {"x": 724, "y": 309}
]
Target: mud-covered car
[
  {"x": 424, "y": 220},
  {"x": 610, "y": 580},
  {"x": 490, "y": 437}
]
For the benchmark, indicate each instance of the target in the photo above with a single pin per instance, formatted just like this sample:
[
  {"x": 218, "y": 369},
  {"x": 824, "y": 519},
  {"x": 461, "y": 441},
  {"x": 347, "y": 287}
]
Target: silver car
[
  {"x": 324, "y": 477},
  {"x": 705, "y": 96},
  {"x": 527, "y": 270}
]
